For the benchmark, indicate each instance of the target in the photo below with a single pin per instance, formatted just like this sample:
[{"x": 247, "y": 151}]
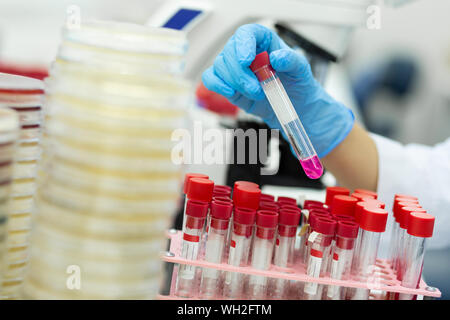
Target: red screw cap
[
  {"x": 197, "y": 209},
  {"x": 347, "y": 229},
  {"x": 343, "y": 217},
  {"x": 405, "y": 196},
  {"x": 334, "y": 191},
  {"x": 200, "y": 189},
  {"x": 343, "y": 205},
  {"x": 373, "y": 219},
  {"x": 368, "y": 192},
  {"x": 189, "y": 176},
  {"x": 221, "y": 210},
  {"x": 421, "y": 224},
  {"x": 267, "y": 197},
  {"x": 288, "y": 200},
  {"x": 325, "y": 226},
  {"x": 222, "y": 198},
  {"x": 271, "y": 206},
  {"x": 266, "y": 219},
  {"x": 246, "y": 183},
  {"x": 245, "y": 196},
  {"x": 261, "y": 66},
  {"x": 375, "y": 202},
  {"x": 361, "y": 196},
  {"x": 221, "y": 191},
  {"x": 290, "y": 207},
  {"x": 402, "y": 202},
  {"x": 404, "y": 214},
  {"x": 244, "y": 216},
  {"x": 289, "y": 217}
]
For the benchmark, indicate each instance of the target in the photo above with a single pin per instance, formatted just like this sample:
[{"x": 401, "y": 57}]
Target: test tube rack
[{"x": 382, "y": 281}]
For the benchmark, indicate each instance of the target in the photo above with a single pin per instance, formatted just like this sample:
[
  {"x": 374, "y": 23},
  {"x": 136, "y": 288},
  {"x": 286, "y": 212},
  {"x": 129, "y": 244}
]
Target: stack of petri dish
[
  {"x": 107, "y": 187},
  {"x": 24, "y": 96}
]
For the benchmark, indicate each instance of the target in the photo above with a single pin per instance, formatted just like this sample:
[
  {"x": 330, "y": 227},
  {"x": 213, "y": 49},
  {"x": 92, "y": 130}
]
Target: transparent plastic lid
[{"x": 128, "y": 37}]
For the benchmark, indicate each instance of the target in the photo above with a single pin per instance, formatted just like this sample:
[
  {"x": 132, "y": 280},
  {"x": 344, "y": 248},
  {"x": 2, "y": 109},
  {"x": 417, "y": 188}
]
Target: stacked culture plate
[{"x": 107, "y": 187}]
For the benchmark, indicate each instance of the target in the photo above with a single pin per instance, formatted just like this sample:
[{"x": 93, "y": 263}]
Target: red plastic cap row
[
  {"x": 420, "y": 224},
  {"x": 244, "y": 216},
  {"x": 347, "y": 229},
  {"x": 189, "y": 176},
  {"x": 343, "y": 205},
  {"x": 221, "y": 210},
  {"x": 246, "y": 196},
  {"x": 289, "y": 217},
  {"x": 197, "y": 209},
  {"x": 368, "y": 192},
  {"x": 373, "y": 219},
  {"x": 266, "y": 219},
  {"x": 405, "y": 202},
  {"x": 335, "y": 191},
  {"x": 200, "y": 189},
  {"x": 405, "y": 213}
]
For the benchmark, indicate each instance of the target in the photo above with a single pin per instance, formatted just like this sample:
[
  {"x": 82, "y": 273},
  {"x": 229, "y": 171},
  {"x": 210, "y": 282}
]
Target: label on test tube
[
  {"x": 337, "y": 269},
  {"x": 314, "y": 266},
  {"x": 189, "y": 251}
]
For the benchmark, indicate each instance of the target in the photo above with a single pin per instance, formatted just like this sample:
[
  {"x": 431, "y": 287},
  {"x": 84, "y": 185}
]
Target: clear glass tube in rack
[
  {"x": 195, "y": 216},
  {"x": 220, "y": 213},
  {"x": 240, "y": 240},
  {"x": 266, "y": 226},
  {"x": 286, "y": 114}
]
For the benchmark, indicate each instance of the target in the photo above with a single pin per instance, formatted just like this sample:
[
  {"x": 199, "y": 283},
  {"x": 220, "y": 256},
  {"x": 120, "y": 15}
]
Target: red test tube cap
[
  {"x": 325, "y": 226},
  {"x": 404, "y": 214},
  {"x": 405, "y": 196},
  {"x": 289, "y": 217},
  {"x": 361, "y": 196},
  {"x": 221, "y": 210},
  {"x": 287, "y": 200},
  {"x": 421, "y": 224},
  {"x": 245, "y": 196},
  {"x": 334, "y": 191},
  {"x": 373, "y": 219},
  {"x": 290, "y": 207},
  {"x": 197, "y": 209},
  {"x": 222, "y": 198},
  {"x": 267, "y": 197},
  {"x": 266, "y": 219},
  {"x": 268, "y": 206},
  {"x": 347, "y": 229},
  {"x": 343, "y": 205},
  {"x": 246, "y": 183},
  {"x": 368, "y": 192},
  {"x": 189, "y": 176},
  {"x": 244, "y": 216},
  {"x": 262, "y": 60},
  {"x": 200, "y": 189}
]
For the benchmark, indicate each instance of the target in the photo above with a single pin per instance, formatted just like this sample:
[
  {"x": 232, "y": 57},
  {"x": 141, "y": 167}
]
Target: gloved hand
[{"x": 327, "y": 121}]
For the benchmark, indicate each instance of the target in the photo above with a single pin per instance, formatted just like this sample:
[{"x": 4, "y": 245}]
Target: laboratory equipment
[
  {"x": 192, "y": 234},
  {"x": 420, "y": 228},
  {"x": 319, "y": 249},
  {"x": 343, "y": 205},
  {"x": 372, "y": 224},
  {"x": 288, "y": 221},
  {"x": 287, "y": 116},
  {"x": 220, "y": 213},
  {"x": 241, "y": 236},
  {"x": 266, "y": 226},
  {"x": 331, "y": 192},
  {"x": 246, "y": 196},
  {"x": 342, "y": 256}
]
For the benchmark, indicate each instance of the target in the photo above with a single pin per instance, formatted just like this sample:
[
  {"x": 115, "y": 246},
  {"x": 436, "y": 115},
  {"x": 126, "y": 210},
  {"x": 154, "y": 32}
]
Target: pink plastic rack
[{"x": 383, "y": 278}]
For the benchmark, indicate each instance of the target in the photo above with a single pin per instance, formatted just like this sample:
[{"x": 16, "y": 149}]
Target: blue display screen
[{"x": 181, "y": 18}]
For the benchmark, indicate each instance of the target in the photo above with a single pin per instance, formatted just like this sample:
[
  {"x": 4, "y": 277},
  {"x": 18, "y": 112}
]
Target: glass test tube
[
  {"x": 266, "y": 226},
  {"x": 305, "y": 248},
  {"x": 187, "y": 177},
  {"x": 194, "y": 221},
  {"x": 319, "y": 250},
  {"x": 286, "y": 114},
  {"x": 219, "y": 219},
  {"x": 342, "y": 255},
  {"x": 284, "y": 249},
  {"x": 372, "y": 225},
  {"x": 240, "y": 239},
  {"x": 420, "y": 227}
]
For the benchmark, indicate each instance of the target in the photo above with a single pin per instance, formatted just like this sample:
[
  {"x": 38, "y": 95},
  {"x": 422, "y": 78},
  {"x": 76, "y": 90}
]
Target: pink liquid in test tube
[{"x": 286, "y": 114}]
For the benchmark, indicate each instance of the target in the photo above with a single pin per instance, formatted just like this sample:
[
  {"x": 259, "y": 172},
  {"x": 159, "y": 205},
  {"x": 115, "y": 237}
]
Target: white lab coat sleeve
[{"x": 418, "y": 170}]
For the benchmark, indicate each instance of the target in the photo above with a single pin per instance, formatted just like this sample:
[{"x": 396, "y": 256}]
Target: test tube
[
  {"x": 199, "y": 189},
  {"x": 304, "y": 244},
  {"x": 286, "y": 114},
  {"x": 240, "y": 239},
  {"x": 372, "y": 224},
  {"x": 288, "y": 221},
  {"x": 342, "y": 255},
  {"x": 220, "y": 214},
  {"x": 266, "y": 226},
  {"x": 194, "y": 221},
  {"x": 420, "y": 227},
  {"x": 318, "y": 255},
  {"x": 403, "y": 219},
  {"x": 344, "y": 205},
  {"x": 334, "y": 191}
]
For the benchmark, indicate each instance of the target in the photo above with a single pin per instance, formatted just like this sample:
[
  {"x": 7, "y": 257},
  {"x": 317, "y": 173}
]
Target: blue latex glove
[{"x": 326, "y": 121}]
